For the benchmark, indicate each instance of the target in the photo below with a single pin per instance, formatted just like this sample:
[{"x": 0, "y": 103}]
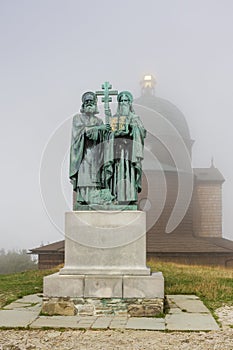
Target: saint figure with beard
[
  {"x": 123, "y": 152},
  {"x": 86, "y": 152}
]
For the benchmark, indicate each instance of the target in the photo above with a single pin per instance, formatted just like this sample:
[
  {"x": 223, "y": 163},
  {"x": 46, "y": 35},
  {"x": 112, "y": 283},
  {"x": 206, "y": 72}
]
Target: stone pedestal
[
  {"x": 105, "y": 243},
  {"x": 105, "y": 257}
]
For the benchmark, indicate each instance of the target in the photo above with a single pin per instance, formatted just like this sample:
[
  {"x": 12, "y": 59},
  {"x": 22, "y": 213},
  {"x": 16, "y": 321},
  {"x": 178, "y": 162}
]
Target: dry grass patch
[
  {"x": 213, "y": 285},
  {"x": 16, "y": 285}
]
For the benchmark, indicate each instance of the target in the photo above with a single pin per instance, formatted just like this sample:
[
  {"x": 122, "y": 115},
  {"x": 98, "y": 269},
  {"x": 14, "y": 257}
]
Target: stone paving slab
[
  {"x": 187, "y": 303},
  {"x": 56, "y": 322},
  {"x": 196, "y": 317},
  {"x": 190, "y": 322},
  {"x": 118, "y": 322},
  {"x": 29, "y": 302},
  {"x": 117, "y": 325},
  {"x": 35, "y": 308},
  {"x": 174, "y": 310},
  {"x": 15, "y": 318},
  {"x": 102, "y": 322},
  {"x": 17, "y": 305},
  {"x": 192, "y": 306},
  {"x": 86, "y": 322},
  {"x": 182, "y": 297},
  {"x": 32, "y": 299},
  {"x": 146, "y": 323}
]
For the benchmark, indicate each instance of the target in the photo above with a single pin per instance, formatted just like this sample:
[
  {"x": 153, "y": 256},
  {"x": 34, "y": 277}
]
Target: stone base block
[
  {"x": 143, "y": 286},
  {"x": 104, "y": 286},
  {"x": 63, "y": 286}
]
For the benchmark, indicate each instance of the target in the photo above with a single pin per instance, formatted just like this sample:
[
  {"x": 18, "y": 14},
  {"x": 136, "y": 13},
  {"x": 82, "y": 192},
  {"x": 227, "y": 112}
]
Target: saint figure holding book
[{"x": 124, "y": 152}]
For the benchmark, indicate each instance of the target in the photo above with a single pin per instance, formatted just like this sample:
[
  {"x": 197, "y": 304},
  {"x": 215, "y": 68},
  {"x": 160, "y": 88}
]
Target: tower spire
[
  {"x": 148, "y": 84},
  {"x": 212, "y": 162}
]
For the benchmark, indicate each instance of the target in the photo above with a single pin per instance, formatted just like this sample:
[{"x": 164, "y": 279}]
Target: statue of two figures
[{"x": 106, "y": 158}]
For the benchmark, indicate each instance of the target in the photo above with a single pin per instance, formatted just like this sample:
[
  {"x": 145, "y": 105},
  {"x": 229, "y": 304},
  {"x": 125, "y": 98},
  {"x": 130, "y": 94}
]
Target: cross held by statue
[{"x": 106, "y": 92}]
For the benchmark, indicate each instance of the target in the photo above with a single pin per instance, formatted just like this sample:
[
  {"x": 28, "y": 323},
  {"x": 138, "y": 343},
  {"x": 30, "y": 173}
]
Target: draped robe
[
  {"x": 86, "y": 156},
  {"x": 123, "y": 155}
]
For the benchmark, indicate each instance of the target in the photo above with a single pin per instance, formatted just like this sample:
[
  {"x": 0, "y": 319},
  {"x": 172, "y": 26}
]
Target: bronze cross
[{"x": 106, "y": 87}]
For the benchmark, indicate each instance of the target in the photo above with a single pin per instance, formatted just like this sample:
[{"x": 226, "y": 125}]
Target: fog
[{"x": 52, "y": 51}]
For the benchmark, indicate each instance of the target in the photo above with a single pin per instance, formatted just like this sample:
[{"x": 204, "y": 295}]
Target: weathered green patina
[
  {"x": 86, "y": 153},
  {"x": 106, "y": 159},
  {"x": 107, "y": 93},
  {"x": 123, "y": 152}
]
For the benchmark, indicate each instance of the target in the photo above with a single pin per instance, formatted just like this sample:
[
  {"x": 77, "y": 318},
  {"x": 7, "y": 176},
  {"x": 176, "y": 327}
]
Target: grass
[
  {"x": 213, "y": 285},
  {"x": 17, "y": 285}
]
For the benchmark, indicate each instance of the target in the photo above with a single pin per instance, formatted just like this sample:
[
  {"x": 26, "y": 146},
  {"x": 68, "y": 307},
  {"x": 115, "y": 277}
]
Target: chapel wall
[{"x": 207, "y": 209}]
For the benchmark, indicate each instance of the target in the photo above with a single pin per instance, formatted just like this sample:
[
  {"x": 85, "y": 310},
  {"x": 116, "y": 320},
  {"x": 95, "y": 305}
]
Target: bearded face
[
  {"x": 124, "y": 105},
  {"x": 89, "y": 107}
]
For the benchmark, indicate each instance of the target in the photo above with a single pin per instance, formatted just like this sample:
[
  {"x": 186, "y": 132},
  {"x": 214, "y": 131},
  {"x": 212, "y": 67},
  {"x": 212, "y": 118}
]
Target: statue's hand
[
  {"x": 104, "y": 127},
  {"x": 108, "y": 127},
  {"x": 121, "y": 133}
]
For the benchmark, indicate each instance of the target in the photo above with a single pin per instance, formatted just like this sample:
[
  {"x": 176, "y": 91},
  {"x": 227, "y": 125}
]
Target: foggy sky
[{"x": 53, "y": 50}]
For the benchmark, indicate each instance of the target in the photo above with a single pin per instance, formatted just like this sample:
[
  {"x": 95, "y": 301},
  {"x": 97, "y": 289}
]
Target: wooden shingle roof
[
  {"x": 164, "y": 243},
  {"x": 56, "y": 247},
  {"x": 187, "y": 243},
  {"x": 208, "y": 174}
]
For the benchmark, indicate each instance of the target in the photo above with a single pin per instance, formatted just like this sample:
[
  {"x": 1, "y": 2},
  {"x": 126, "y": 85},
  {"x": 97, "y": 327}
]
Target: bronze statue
[
  {"x": 106, "y": 159},
  {"x": 124, "y": 154},
  {"x": 86, "y": 153}
]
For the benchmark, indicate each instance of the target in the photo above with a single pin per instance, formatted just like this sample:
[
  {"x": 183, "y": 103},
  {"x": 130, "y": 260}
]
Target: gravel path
[
  {"x": 115, "y": 340},
  {"x": 121, "y": 339}
]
